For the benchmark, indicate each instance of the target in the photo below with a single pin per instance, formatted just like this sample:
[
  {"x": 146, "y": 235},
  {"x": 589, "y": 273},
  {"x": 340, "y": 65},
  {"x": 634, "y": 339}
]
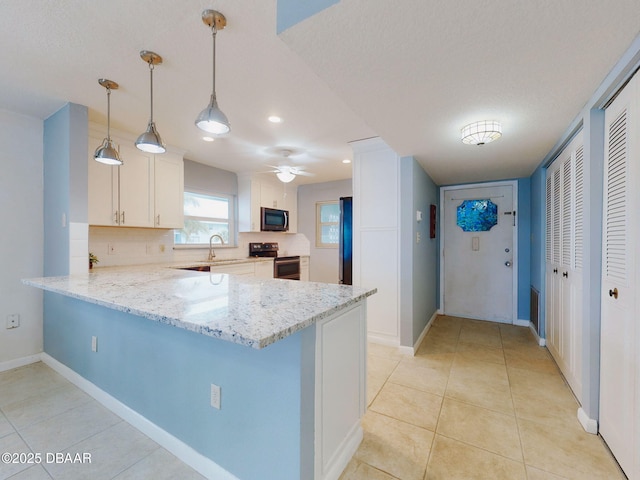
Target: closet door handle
[
  {"x": 614, "y": 293},
  {"x": 565, "y": 274},
  {"x": 555, "y": 270}
]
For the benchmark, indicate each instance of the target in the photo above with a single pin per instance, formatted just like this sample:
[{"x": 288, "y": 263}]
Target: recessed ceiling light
[
  {"x": 275, "y": 119},
  {"x": 208, "y": 139},
  {"x": 346, "y": 160}
]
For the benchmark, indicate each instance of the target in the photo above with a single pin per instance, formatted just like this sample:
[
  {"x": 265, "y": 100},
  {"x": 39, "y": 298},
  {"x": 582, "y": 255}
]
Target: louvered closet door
[
  {"x": 564, "y": 189},
  {"x": 618, "y": 361}
]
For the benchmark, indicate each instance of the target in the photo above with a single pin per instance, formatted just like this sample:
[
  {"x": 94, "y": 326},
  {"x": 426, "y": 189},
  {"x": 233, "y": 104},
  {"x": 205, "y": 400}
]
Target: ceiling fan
[{"x": 286, "y": 173}]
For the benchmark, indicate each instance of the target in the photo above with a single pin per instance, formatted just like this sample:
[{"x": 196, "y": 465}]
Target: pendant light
[
  {"x": 211, "y": 119},
  {"x": 150, "y": 140},
  {"x": 107, "y": 153}
]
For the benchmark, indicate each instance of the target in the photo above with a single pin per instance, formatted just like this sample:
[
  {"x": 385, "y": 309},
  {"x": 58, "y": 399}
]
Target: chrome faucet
[{"x": 212, "y": 254}]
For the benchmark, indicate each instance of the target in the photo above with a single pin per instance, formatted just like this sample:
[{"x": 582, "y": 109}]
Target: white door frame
[{"x": 514, "y": 185}]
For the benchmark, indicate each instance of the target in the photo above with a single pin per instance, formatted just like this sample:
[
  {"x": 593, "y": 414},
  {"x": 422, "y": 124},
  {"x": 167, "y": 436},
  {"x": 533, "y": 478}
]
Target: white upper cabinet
[
  {"x": 255, "y": 193},
  {"x": 169, "y": 191},
  {"x": 135, "y": 188},
  {"x": 146, "y": 191}
]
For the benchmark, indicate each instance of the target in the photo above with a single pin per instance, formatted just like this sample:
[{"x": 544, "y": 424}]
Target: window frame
[
  {"x": 233, "y": 234},
  {"x": 320, "y": 224}
]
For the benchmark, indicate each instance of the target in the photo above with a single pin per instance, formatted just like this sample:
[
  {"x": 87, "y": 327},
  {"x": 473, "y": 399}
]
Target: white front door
[{"x": 478, "y": 251}]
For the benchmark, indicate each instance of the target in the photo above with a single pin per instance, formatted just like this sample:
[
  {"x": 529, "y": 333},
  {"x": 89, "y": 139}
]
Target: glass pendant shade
[
  {"x": 212, "y": 119},
  {"x": 150, "y": 140},
  {"x": 107, "y": 153},
  {"x": 479, "y": 133}
]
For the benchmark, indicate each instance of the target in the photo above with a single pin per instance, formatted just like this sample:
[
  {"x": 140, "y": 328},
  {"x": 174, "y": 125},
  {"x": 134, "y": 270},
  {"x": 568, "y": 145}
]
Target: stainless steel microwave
[{"x": 274, "y": 220}]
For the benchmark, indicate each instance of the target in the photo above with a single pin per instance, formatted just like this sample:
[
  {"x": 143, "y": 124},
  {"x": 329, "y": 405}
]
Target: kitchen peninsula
[{"x": 289, "y": 358}]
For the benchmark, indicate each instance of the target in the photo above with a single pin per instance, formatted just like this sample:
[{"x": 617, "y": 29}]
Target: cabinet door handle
[
  {"x": 116, "y": 218},
  {"x": 565, "y": 274},
  {"x": 158, "y": 223},
  {"x": 614, "y": 293},
  {"x": 555, "y": 270},
  {"x": 122, "y": 218}
]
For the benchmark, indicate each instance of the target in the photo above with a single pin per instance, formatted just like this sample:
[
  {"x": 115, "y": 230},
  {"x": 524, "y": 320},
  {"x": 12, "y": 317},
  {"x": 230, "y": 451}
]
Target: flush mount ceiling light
[
  {"x": 275, "y": 119},
  {"x": 150, "y": 140},
  {"x": 479, "y": 133},
  {"x": 107, "y": 153},
  {"x": 211, "y": 119}
]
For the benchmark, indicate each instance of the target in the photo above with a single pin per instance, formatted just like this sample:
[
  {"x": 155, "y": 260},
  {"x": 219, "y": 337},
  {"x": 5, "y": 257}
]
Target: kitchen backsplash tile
[{"x": 136, "y": 246}]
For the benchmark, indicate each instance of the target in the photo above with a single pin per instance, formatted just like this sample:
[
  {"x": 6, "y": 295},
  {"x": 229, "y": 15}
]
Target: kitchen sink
[{"x": 198, "y": 268}]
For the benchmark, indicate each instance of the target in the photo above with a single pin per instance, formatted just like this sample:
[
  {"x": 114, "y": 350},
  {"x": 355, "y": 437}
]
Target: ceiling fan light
[
  {"x": 150, "y": 140},
  {"x": 212, "y": 119},
  {"x": 107, "y": 153},
  {"x": 479, "y": 133},
  {"x": 285, "y": 177}
]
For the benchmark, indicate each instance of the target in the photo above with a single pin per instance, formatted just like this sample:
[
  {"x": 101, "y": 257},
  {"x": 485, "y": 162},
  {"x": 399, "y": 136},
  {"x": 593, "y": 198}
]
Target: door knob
[
  {"x": 565, "y": 274},
  {"x": 614, "y": 293},
  {"x": 555, "y": 270},
  {"x": 507, "y": 263}
]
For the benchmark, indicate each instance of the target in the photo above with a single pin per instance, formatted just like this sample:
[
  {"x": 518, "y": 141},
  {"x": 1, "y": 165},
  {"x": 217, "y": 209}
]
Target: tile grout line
[{"x": 515, "y": 414}]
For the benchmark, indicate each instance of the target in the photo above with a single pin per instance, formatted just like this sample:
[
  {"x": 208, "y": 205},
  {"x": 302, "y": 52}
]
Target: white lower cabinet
[
  {"x": 235, "y": 269},
  {"x": 145, "y": 191},
  {"x": 264, "y": 269},
  {"x": 304, "y": 269}
]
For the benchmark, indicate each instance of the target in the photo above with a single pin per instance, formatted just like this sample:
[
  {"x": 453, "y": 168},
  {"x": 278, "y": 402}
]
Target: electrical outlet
[
  {"x": 94, "y": 344},
  {"x": 215, "y": 396},
  {"x": 111, "y": 249},
  {"x": 13, "y": 320}
]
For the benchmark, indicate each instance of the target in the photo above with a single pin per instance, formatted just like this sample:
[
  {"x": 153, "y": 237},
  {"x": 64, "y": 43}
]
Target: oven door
[{"x": 286, "y": 267}]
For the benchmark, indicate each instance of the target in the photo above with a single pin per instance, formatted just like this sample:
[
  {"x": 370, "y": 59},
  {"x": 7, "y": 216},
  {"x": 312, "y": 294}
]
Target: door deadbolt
[{"x": 614, "y": 293}]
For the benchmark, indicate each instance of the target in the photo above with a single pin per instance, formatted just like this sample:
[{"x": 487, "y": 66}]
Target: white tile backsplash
[
  {"x": 78, "y": 241},
  {"x": 136, "y": 246}
]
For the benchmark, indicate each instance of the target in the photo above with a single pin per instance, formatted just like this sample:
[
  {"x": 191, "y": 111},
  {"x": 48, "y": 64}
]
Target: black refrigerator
[{"x": 346, "y": 240}]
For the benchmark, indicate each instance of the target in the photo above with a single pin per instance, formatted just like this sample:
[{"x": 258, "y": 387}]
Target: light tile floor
[
  {"x": 479, "y": 400},
  {"x": 42, "y": 412}
]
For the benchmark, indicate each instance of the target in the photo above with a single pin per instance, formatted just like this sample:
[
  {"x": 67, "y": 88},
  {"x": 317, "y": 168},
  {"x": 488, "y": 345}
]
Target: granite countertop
[{"x": 250, "y": 311}]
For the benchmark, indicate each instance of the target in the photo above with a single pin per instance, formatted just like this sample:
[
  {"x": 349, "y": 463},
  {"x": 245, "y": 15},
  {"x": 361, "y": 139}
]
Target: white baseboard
[
  {"x": 382, "y": 339},
  {"x": 19, "y": 362},
  {"x": 541, "y": 341},
  {"x": 344, "y": 454},
  {"x": 412, "y": 350},
  {"x": 184, "y": 452},
  {"x": 589, "y": 424},
  {"x": 521, "y": 323}
]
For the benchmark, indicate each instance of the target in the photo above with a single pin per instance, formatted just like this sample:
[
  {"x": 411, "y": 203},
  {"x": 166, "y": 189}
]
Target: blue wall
[
  {"x": 165, "y": 373},
  {"x": 291, "y": 12},
  {"x": 66, "y": 134},
  {"x": 419, "y": 274},
  {"x": 523, "y": 218}
]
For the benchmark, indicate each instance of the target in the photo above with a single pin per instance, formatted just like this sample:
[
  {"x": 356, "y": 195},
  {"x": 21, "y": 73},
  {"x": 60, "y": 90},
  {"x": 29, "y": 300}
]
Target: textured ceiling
[{"x": 413, "y": 75}]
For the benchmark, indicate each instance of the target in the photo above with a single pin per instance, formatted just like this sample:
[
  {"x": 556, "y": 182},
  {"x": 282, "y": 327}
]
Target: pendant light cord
[
  {"x": 108, "y": 114},
  {"x": 151, "y": 89},
  {"x": 214, "y": 30}
]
